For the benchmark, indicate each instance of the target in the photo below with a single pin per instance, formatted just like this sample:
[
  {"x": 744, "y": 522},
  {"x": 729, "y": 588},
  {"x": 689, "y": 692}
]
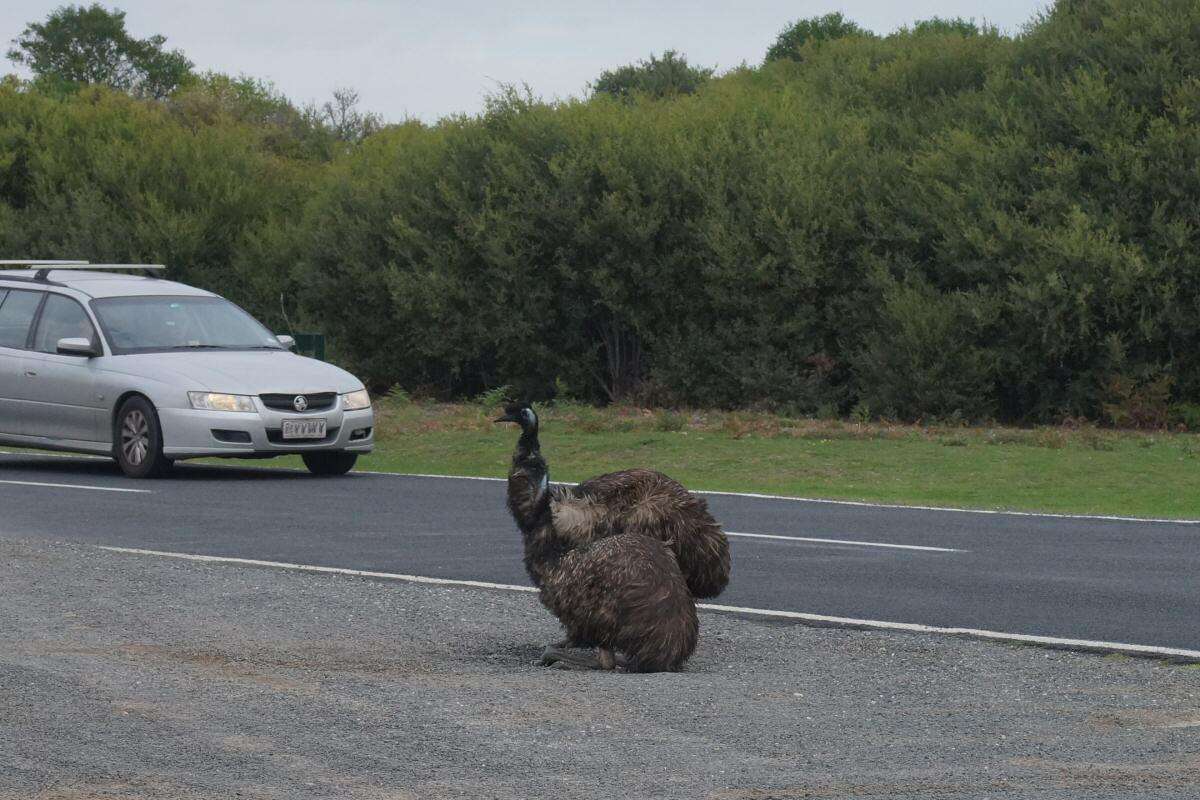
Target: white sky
[{"x": 427, "y": 60}]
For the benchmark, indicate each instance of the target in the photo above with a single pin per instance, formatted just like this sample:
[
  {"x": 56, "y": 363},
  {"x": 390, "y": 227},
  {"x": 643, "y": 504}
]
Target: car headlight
[
  {"x": 210, "y": 401},
  {"x": 356, "y": 401}
]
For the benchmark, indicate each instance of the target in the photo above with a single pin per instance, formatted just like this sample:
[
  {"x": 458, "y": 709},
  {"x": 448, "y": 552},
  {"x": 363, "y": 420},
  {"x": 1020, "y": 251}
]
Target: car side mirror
[
  {"x": 285, "y": 340},
  {"x": 73, "y": 346}
]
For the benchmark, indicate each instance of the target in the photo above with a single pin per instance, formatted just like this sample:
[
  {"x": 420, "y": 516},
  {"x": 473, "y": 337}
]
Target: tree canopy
[
  {"x": 812, "y": 31},
  {"x": 933, "y": 223},
  {"x": 667, "y": 76},
  {"x": 90, "y": 45},
  {"x": 940, "y": 25}
]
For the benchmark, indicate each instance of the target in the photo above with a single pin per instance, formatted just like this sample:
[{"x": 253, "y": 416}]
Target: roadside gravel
[{"x": 125, "y": 676}]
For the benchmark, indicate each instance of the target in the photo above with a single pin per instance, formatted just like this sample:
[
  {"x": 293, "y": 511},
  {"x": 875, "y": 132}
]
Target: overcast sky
[{"x": 428, "y": 59}]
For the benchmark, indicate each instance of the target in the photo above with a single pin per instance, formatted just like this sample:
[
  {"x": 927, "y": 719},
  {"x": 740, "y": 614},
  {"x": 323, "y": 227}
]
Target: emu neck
[
  {"x": 529, "y": 502},
  {"x": 529, "y": 483},
  {"x": 528, "y": 443}
]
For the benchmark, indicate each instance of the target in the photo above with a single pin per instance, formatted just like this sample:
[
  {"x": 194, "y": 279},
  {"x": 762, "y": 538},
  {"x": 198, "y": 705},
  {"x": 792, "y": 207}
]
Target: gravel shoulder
[{"x": 125, "y": 676}]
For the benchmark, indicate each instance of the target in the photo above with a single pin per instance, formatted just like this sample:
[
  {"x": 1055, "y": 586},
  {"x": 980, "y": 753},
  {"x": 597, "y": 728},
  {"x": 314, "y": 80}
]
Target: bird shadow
[{"x": 505, "y": 652}]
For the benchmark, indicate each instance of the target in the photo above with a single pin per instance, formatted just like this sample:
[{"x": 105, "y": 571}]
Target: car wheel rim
[{"x": 135, "y": 438}]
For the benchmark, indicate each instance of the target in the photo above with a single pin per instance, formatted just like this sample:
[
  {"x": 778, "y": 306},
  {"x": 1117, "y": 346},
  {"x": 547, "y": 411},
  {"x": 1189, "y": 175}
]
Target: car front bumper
[{"x": 190, "y": 433}]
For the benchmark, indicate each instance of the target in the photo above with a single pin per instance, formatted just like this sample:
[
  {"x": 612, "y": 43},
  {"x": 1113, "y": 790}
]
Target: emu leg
[
  {"x": 612, "y": 660},
  {"x": 561, "y": 658},
  {"x": 607, "y": 660},
  {"x": 567, "y": 642}
]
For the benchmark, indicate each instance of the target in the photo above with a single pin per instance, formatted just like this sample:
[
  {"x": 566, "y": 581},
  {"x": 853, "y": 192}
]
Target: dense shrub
[
  {"x": 661, "y": 77},
  {"x": 942, "y": 222},
  {"x": 102, "y": 176},
  {"x": 811, "y": 32},
  {"x": 716, "y": 249}
]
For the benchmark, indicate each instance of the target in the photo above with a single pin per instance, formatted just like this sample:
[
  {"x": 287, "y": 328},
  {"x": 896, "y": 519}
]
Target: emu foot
[
  {"x": 561, "y": 658},
  {"x": 611, "y": 660},
  {"x": 567, "y": 643}
]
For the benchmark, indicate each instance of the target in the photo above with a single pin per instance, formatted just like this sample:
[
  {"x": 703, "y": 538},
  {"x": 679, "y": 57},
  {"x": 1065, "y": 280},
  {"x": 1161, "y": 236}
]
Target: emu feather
[
  {"x": 622, "y": 591},
  {"x": 649, "y": 503}
]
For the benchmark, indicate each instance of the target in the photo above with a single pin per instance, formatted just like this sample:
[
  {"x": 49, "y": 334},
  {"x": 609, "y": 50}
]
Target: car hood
[{"x": 246, "y": 372}]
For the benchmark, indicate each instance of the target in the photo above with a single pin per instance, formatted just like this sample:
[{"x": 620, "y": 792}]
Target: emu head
[{"x": 521, "y": 414}]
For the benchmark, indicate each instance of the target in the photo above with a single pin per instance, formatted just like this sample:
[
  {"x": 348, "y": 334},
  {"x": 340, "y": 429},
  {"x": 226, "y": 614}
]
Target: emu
[
  {"x": 652, "y": 504},
  {"x": 622, "y": 593}
]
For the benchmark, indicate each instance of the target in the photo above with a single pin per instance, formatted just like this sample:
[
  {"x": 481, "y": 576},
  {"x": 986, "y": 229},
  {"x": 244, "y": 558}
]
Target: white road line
[
  {"x": 1056, "y": 642},
  {"x": 755, "y": 495},
  {"x": 853, "y": 503},
  {"x": 819, "y": 620},
  {"x": 864, "y": 504},
  {"x": 846, "y": 541},
  {"x": 360, "y": 573},
  {"x": 77, "y": 486}
]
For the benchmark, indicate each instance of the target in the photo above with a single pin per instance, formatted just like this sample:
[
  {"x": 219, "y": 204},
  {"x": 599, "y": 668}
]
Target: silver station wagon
[{"x": 93, "y": 360}]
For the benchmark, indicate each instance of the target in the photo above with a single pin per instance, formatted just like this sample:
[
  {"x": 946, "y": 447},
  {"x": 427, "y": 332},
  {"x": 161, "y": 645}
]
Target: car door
[
  {"x": 10, "y": 365},
  {"x": 18, "y": 307},
  {"x": 61, "y": 389}
]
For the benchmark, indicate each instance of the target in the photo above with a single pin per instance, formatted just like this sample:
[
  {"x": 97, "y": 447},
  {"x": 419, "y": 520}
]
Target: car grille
[{"x": 318, "y": 401}]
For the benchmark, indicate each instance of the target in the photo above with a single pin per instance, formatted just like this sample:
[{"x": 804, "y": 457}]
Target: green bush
[
  {"x": 1186, "y": 416},
  {"x": 941, "y": 223},
  {"x": 923, "y": 358},
  {"x": 102, "y": 176},
  {"x": 660, "y": 77},
  {"x": 810, "y": 33}
]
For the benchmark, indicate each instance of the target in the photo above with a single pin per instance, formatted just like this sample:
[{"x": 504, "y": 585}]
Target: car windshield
[{"x": 159, "y": 324}]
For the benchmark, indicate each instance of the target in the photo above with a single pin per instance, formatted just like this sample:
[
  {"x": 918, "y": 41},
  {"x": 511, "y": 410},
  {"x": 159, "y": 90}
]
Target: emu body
[
  {"x": 620, "y": 593},
  {"x": 648, "y": 503}
]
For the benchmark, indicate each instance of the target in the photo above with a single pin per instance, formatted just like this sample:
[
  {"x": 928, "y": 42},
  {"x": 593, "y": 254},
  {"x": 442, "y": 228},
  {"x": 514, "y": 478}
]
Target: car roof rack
[
  {"x": 44, "y": 269},
  {"x": 42, "y": 265},
  {"x": 39, "y": 262}
]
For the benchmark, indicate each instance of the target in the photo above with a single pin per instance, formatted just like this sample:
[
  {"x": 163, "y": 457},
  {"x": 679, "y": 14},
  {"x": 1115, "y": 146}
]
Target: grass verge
[{"x": 1066, "y": 470}]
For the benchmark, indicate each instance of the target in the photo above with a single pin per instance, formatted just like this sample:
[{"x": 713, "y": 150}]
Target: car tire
[
  {"x": 329, "y": 463},
  {"x": 137, "y": 440}
]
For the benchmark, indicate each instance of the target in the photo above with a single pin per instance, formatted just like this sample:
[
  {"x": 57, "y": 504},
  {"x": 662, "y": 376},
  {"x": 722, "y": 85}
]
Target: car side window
[
  {"x": 62, "y": 318},
  {"x": 16, "y": 316}
]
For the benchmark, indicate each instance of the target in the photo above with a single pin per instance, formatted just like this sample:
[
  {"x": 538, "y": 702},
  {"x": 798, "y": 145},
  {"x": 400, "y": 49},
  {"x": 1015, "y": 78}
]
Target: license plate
[{"x": 304, "y": 429}]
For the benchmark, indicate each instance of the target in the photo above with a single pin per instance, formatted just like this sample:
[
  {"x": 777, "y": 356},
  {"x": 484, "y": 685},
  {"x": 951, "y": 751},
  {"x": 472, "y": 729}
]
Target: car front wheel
[
  {"x": 329, "y": 463},
  {"x": 137, "y": 441}
]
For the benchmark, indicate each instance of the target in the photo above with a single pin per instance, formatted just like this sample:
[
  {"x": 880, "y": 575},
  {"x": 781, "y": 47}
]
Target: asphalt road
[{"x": 1117, "y": 581}]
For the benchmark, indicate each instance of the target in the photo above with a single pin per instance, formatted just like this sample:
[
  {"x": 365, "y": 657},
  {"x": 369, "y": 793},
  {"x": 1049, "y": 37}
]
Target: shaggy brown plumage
[
  {"x": 620, "y": 593},
  {"x": 652, "y": 504}
]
